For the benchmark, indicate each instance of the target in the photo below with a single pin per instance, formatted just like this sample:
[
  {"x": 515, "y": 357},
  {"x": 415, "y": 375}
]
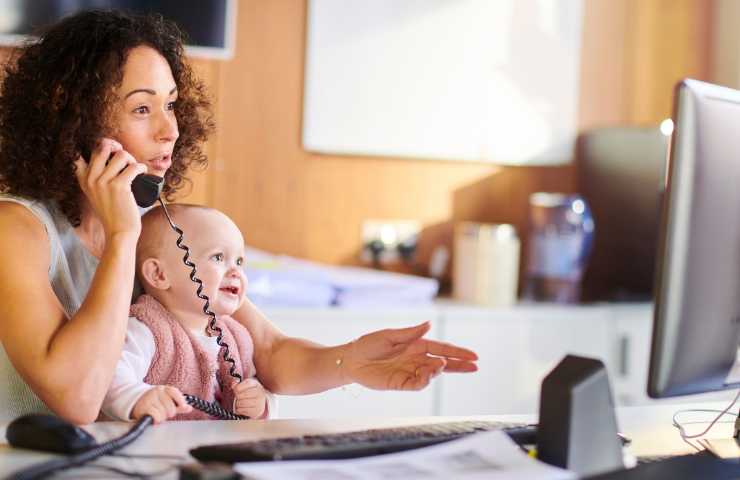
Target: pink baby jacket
[{"x": 182, "y": 362}]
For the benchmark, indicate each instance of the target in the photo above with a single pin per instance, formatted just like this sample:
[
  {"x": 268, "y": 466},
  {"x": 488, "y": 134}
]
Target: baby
[{"x": 167, "y": 351}]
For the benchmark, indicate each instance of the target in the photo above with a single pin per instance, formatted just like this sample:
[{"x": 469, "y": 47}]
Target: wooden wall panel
[
  {"x": 200, "y": 191},
  {"x": 290, "y": 201},
  {"x": 293, "y": 201},
  {"x": 667, "y": 40}
]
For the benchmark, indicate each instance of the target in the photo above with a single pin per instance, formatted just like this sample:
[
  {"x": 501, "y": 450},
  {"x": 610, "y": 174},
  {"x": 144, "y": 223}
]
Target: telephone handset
[{"x": 145, "y": 187}]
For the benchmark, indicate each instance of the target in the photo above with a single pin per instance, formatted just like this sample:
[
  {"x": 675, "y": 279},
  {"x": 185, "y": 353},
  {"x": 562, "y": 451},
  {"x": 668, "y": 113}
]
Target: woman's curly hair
[{"x": 57, "y": 99}]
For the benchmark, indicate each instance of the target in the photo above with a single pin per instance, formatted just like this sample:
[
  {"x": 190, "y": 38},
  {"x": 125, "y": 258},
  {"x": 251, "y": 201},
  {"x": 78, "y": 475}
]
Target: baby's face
[{"x": 217, "y": 249}]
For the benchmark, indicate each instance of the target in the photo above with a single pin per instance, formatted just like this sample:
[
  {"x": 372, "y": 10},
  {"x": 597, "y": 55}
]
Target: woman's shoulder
[{"x": 22, "y": 219}]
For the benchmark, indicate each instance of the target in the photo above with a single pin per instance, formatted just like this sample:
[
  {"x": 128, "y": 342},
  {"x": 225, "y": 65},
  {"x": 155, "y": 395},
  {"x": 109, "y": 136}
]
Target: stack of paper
[{"x": 277, "y": 280}]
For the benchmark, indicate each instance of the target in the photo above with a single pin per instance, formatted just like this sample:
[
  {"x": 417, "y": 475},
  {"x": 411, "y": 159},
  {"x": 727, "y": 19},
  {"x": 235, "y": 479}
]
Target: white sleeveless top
[{"x": 71, "y": 269}]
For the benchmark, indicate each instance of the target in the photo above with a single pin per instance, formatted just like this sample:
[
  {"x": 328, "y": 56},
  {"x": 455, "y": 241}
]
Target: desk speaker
[{"x": 578, "y": 427}]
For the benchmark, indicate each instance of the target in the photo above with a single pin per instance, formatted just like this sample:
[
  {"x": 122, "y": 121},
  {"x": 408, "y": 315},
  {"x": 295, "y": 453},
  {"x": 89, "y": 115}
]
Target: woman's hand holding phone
[{"x": 106, "y": 182}]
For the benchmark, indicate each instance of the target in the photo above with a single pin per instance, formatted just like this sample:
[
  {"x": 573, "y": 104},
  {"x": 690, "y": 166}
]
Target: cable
[
  {"x": 212, "y": 324},
  {"x": 212, "y": 408},
  {"x": 39, "y": 471},
  {"x": 150, "y": 456},
  {"x": 129, "y": 473},
  {"x": 685, "y": 437}
]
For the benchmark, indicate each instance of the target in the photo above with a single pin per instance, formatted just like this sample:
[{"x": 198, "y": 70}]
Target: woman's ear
[{"x": 153, "y": 274}]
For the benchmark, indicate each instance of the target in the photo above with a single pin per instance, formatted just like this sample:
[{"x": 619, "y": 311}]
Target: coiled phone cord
[{"x": 211, "y": 408}]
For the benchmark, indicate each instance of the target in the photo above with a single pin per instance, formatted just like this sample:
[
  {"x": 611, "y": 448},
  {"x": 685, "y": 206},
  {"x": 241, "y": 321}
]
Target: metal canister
[{"x": 486, "y": 263}]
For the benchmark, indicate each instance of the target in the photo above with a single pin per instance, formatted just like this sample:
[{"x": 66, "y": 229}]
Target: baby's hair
[{"x": 156, "y": 233}]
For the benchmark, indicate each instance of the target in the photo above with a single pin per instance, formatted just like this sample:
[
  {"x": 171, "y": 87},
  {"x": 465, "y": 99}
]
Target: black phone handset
[{"x": 146, "y": 189}]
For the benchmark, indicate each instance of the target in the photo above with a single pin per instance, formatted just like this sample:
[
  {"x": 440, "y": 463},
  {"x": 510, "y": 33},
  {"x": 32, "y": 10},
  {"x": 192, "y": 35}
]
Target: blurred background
[{"x": 507, "y": 154}]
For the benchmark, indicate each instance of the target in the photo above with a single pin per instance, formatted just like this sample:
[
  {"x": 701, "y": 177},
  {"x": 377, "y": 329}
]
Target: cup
[{"x": 486, "y": 264}]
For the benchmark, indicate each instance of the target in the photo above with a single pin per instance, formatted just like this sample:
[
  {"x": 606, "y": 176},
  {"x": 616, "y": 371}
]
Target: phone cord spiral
[{"x": 207, "y": 407}]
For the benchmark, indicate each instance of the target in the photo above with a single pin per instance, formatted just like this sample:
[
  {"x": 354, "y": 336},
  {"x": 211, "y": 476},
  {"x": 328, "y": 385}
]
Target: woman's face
[{"x": 144, "y": 118}]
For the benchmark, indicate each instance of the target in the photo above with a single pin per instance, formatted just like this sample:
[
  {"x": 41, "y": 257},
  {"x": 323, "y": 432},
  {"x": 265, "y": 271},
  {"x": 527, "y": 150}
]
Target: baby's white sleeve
[
  {"x": 272, "y": 405},
  {"x": 128, "y": 381}
]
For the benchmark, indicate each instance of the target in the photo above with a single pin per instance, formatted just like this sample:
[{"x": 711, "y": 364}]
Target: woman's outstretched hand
[{"x": 400, "y": 359}]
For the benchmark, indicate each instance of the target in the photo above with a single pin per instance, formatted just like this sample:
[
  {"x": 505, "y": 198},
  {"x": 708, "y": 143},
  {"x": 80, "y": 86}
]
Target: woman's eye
[
  {"x": 171, "y": 105},
  {"x": 219, "y": 257},
  {"x": 142, "y": 110}
]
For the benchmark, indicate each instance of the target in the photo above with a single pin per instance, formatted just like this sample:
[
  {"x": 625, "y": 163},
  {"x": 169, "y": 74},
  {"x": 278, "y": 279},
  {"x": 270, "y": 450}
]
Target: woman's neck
[{"x": 90, "y": 231}]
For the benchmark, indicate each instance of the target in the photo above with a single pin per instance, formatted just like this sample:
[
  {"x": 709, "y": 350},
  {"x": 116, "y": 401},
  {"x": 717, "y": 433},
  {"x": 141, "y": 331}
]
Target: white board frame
[{"x": 472, "y": 80}]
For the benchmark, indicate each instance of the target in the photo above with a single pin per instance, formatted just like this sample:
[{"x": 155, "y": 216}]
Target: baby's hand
[
  {"x": 249, "y": 398},
  {"x": 161, "y": 402}
]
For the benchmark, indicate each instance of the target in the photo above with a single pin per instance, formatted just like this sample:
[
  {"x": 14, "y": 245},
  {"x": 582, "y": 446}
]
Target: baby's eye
[
  {"x": 219, "y": 257},
  {"x": 142, "y": 110},
  {"x": 239, "y": 261}
]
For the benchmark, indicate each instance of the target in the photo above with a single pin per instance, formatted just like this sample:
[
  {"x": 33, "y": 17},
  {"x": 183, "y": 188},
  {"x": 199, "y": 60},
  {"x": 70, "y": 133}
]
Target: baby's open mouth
[{"x": 231, "y": 290}]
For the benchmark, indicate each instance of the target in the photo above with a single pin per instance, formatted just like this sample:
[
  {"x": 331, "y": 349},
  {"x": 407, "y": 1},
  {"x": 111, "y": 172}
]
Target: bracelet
[{"x": 339, "y": 361}]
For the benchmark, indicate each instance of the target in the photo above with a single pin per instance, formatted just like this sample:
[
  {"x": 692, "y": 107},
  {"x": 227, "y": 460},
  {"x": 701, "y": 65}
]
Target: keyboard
[
  {"x": 642, "y": 460},
  {"x": 356, "y": 444}
]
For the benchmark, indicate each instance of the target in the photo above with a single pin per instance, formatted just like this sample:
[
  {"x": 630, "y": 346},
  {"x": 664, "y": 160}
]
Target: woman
[{"x": 117, "y": 86}]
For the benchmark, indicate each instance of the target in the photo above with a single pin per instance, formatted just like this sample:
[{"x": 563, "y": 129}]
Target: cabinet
[
  {"x": 632, "y": 336},
  {"x": 517, "y": 347}
]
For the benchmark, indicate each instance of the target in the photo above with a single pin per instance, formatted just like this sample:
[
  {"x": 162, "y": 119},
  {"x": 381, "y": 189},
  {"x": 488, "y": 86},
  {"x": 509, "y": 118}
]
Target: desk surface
[{"x": 650, "y": 429}]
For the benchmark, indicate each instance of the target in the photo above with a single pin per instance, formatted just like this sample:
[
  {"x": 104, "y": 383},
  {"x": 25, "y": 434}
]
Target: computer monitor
[
  {"x": 209, "y": 24},
  {"x": 697, "y": 290}
]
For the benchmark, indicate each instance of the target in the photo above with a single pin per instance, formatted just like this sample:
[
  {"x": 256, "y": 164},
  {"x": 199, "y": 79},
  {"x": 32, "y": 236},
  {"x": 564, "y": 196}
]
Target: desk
[{"x": 649, "y": 427}]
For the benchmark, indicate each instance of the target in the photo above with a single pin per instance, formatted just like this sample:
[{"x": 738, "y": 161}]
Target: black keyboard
[
  {"x": 356, "y": 444},
  {"x": 653, "y": 458}
]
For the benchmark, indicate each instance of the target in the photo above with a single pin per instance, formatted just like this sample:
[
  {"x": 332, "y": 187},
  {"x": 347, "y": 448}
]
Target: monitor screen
[
  {"x": 208, "y": 24},
  {"x": 697, "y": 288}
]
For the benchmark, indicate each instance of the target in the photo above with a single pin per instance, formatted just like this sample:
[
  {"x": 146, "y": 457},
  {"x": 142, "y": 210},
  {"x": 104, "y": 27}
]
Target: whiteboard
[{"x": 473, "y": 80}]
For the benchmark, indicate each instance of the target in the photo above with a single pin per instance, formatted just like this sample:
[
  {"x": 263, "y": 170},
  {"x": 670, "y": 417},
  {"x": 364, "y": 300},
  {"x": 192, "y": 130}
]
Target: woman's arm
[
  {"x": 290, "y": 366},
  {"x": 68, "y": 364},
  {"x": 391, "y": 359}
]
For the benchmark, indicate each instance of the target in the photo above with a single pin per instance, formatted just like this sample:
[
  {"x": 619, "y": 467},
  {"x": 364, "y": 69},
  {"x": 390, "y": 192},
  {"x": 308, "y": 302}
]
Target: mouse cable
[
  {"x": 150, "y": 456},
  {"x": 84, "y": 471},
  {"x": 57, "y": 464}
]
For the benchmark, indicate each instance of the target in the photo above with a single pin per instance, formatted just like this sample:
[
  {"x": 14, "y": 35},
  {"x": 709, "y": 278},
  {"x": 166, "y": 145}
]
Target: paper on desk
[{"x": 489, "y": 455}]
